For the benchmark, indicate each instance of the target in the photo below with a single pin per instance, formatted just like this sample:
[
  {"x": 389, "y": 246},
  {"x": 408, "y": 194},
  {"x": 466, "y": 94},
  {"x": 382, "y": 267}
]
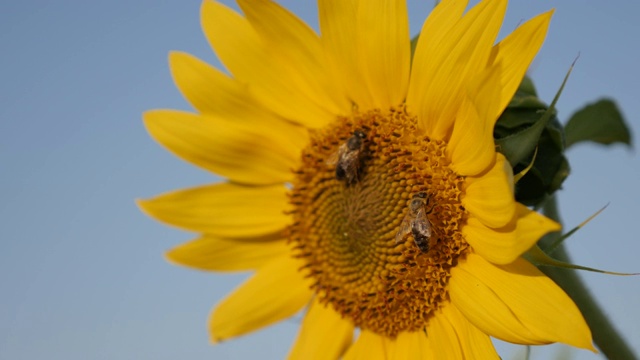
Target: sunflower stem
[{"x": 607, "y": 338}]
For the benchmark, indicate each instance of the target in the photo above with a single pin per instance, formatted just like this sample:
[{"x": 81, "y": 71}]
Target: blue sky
[{"x": 82, "y": 273}]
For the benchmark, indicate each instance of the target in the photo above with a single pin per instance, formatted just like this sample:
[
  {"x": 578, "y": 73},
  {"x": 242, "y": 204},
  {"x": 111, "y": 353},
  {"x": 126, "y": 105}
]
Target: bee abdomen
[{"x": 422, "y": 241}]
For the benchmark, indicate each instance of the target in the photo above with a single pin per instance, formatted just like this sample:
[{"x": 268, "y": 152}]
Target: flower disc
[{"x": 346, "y": 230}]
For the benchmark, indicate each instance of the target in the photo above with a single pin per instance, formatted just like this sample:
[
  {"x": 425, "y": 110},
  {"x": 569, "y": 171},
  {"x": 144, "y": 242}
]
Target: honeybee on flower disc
[
  {"x": 416, "y": 222},
  {"x": 349, "y": 157}
]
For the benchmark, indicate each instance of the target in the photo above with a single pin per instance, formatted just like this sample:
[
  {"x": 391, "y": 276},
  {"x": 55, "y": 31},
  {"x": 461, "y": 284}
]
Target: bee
[
  {"x": 349, "y": 157},
  {"x": 416, "y": 222}
]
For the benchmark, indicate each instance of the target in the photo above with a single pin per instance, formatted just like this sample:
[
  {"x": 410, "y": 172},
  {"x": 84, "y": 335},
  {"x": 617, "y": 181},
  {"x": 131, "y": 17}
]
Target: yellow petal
[
  {"x": 225, "y": 210},
  {"x": 515, "y": 54},
  {"x": 368, "y": 346},
  {"x": 217, "y": 254},
  {"x": 471, "y": 148},
  {"x": 384, "y": 50},
  {"x": 516, "y": 303},
  {"x": 443, "y": 337},
  {"x": 209, "y": 90},
  {"x": 279, "y": 84},
  {"x": 503, "y": 245},
  {"x": 452, "y": 337},
  {"x": 324, "y": 335},
  {"x": 338, "y": 25},
  {"x": 449, "y": 66},
  {"x": 213, "y": 93},
  {"x": 485, "y": 91},
  {"x": 411, "y": 345},
  {"x": 297, "y": 45},
  {"x": 438, "y": 25},
  {"x": 532, "y": 225},
  {"x": 489, "y": 196},
  {"x": 206, "y": 88},
  {"x": 242, "y": 153},
  {"x": 276, "y": 292}
]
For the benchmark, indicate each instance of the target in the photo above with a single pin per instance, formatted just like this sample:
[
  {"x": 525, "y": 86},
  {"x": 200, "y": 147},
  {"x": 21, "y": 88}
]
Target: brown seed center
[{"x": 377, "y": 220}]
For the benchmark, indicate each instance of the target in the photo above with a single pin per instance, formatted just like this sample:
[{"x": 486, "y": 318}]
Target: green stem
[{"x": 607, "y": 338}]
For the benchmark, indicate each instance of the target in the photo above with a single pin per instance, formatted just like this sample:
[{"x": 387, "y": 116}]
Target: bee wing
[
  {"x": 405, "y": 228},
  {"x": 421, "y": 223},
  {"x": 333, "y": 158}
]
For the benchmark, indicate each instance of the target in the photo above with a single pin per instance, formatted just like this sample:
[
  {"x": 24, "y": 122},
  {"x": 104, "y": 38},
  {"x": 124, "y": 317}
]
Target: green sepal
[
  {"x": 527, "y": 123},
  {"x": 549, "y": 171},
  {"x": 536, "y": 256},
  {"x": 523, "y": 172},
  {"x": 600, "y": 122},
  {"x": 525, "y": 110},
  {"x": 557, "y": 242}
]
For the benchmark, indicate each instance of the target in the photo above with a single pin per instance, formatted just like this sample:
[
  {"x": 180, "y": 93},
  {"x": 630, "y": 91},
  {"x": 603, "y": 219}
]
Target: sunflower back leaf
[{"x": 600, "y": 122}]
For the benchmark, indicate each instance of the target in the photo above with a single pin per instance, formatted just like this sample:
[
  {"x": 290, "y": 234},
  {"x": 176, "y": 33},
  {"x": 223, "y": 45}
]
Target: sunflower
[{"x": 362, "y": 183}]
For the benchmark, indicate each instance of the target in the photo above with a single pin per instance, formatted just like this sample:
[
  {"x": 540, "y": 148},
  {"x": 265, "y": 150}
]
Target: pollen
[{"x": 351, "y": 199}]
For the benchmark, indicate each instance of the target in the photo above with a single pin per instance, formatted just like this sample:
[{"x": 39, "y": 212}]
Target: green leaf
[
  {"x": 600, "y": 122},
  {"x": 539, "y": 258}
]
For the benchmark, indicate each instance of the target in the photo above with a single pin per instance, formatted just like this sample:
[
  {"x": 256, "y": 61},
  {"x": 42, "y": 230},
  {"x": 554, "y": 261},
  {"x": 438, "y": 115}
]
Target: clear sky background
[{"x": 82, "y": 274}]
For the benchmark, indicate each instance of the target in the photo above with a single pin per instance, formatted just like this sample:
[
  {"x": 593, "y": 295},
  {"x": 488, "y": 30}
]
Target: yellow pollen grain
[{"x": 345, "y": 230}]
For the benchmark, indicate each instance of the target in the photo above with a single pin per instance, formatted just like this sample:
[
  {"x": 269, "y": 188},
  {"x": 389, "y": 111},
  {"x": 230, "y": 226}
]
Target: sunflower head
[{"x": 363, "y": 184}]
